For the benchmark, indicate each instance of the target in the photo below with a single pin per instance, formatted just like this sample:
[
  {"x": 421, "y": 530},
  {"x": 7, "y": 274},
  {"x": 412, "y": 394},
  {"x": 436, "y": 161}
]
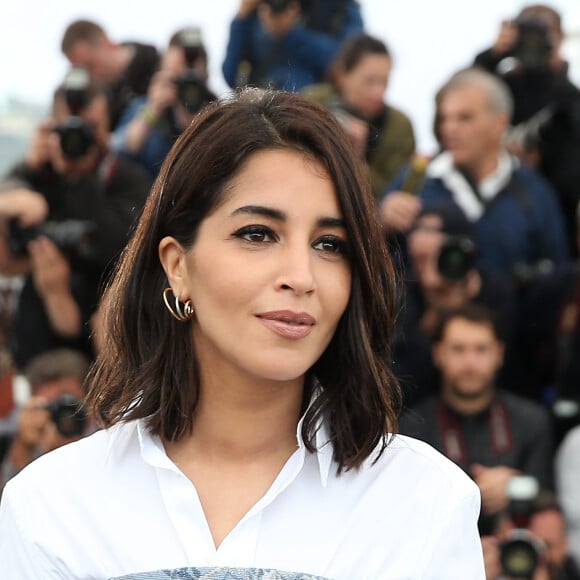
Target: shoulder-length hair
[{"x": 148, "y": 367}]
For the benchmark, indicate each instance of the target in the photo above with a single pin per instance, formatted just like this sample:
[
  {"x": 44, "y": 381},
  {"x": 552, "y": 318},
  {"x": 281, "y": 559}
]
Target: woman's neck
[{"x": 242, "y": 420}]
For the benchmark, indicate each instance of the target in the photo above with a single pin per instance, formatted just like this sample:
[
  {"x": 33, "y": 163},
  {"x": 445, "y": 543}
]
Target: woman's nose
[{"x": 296, "y": 271}]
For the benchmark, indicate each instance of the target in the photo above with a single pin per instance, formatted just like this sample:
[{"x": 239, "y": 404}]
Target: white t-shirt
[{"x": 113, "y": 505}]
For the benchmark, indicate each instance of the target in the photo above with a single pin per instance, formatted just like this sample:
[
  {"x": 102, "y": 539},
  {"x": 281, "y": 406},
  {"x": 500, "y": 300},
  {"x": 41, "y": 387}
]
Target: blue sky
[{"x": 429, "y": 40}]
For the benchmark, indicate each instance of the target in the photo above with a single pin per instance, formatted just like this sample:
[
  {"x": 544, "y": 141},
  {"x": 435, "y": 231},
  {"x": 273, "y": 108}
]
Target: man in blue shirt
[
  {"x": 517, "y": 220},
  {"x": 287, "y": 44}
]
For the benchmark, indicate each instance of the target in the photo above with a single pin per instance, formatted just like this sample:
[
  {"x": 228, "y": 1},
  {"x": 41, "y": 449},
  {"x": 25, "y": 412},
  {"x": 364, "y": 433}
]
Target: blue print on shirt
[{"x": 219, "y": 574}]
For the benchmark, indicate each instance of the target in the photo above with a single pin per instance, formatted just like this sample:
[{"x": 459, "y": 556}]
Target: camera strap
[{"x": 453, "y": 440}]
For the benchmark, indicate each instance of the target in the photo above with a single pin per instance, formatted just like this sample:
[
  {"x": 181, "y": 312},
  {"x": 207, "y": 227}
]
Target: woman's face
[
  {"x": 268, "y": 275},
  {"x": 363, "y": 87}
]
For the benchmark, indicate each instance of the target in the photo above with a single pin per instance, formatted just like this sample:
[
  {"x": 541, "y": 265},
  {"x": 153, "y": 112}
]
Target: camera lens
[
  {"x": 76, "y": 137},
  {"x": 456, "y": 258},
  {"x": 519, "y": 558},
  {"x": 68, "y": 415}
]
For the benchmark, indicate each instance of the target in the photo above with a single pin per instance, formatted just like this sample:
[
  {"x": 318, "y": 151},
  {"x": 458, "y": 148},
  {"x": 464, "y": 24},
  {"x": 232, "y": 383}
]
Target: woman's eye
[
  {"x": 331, "y": 245},
  {"x": 255, "y": 234}
]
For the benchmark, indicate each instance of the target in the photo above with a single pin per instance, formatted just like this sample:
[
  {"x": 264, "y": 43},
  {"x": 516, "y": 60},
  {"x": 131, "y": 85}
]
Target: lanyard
[{"x": 452, "y": 436}]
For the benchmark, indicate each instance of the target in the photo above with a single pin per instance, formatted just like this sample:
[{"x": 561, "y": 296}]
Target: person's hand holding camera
[
  {"x": 33, "y": 420},
  {"x": 493, "y": 485},
  {"x": 506, "y": 38},
  {"x": 279, "y": 24},
  {"x": 46, "y": 150},
  {"x": 39, "y": 153},
  {"x": 27, "y": 206},
  {"x": 399, "y": 210},
  {"x": 50, "y": 269},
  {"x": 51, "y": 273},
  {"x": 162, "y": 94}
]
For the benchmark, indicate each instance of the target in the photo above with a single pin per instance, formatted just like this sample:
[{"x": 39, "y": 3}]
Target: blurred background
[{"x": 428, "y": 41}]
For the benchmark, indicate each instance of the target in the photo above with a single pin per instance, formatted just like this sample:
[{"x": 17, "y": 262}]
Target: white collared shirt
[
  {"x": 442, "y": 167},
  {"x": 114, "y": 505}
]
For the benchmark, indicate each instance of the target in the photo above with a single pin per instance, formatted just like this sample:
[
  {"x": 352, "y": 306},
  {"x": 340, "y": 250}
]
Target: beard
[{"x": 470, "y": 386}]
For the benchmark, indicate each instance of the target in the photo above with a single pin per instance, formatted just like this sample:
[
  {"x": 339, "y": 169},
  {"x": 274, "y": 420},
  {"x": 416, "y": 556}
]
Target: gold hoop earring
[{"x": 182, "y": 311}]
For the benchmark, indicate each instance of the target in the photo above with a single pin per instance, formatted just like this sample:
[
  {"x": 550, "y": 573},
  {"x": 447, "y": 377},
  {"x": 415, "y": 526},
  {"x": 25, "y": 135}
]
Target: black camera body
[
  {"x": 76, "y": 238},
  {"x": 68, "y": 415},
  {"x": 76, "y": 137},
  {"x": 192, "y": 91},
  {"x": 520, "y": 552},
  {"x": 533, "y": 47},
  {"x": 456, "y": 258}
]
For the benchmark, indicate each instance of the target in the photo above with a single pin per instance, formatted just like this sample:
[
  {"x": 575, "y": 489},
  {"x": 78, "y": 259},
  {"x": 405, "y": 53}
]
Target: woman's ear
[{"x": 172, "y": 258}]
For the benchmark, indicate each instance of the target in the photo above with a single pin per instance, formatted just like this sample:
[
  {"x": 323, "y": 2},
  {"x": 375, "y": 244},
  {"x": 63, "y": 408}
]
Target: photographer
[
  {"x": 490, "y": 433},
  {"x": 150, "y": 125},
  {"x": 123, "y": 68},
  {"x": 442, "y": 275},
  {"x": 526, "y": 54},
  {"x": 66, "y": 211},
  {"x": 50, "y": 418},
  {"x": 287, "y": 44},
  {"x": 530, "y": 541},
  {"x": 517, "y": 221},
  {"x": 381, "y": 134},
  {"x": 546, "y": 119}
]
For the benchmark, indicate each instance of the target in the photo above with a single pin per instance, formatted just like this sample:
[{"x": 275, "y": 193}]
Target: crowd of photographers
[{"x": 484, "y": 232}]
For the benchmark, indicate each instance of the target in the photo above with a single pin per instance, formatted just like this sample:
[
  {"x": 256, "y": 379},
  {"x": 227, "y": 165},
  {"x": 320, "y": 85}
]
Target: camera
[
  {"x": 76, "y": 238},
  {"x": 68, "y": 415},
  {"x": 76, "y": 135},
  {"x": 520, "y": 552},
  {"x": 192, "y": 90},
  {"x": 456, "y": 258},
  {"x": 533, "y": 47}
]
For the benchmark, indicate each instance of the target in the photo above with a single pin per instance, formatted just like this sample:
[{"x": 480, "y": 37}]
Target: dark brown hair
[
  {"x": 473, "y": 312},
  {"x": 81, "y": 31},
  {"x": 148, "y": 367},
  {"x": 352, "y": 51}
]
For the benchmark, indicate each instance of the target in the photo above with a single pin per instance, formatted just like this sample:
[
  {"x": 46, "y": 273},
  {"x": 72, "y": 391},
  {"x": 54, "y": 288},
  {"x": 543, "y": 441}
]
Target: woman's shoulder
[
  {"x": 420, "y": 466},
  {"x": 76, "y": 465}
]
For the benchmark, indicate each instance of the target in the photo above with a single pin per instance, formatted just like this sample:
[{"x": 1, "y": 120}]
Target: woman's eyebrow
[
  {"x": 261, "y": 210},
  {"x": 323, "y": 222}
]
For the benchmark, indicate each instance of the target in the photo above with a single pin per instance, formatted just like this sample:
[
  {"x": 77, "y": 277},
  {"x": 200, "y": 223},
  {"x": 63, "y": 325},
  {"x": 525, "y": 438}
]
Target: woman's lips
[{"x": 288, "y": 324}]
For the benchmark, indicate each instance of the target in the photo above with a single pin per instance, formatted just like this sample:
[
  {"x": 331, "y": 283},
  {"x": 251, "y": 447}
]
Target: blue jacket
[
  {"x": 299, "y": 59},
  {"x": 523, "y": 224},
  {"x": 157, "y": 145}
]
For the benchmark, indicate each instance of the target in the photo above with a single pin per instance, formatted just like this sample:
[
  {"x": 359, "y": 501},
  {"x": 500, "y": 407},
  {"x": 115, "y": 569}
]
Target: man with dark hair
[
  {"x": 124, "y": 68},
  {"x": 491, "y": 434},
  {"x": 65, "y": 215}
]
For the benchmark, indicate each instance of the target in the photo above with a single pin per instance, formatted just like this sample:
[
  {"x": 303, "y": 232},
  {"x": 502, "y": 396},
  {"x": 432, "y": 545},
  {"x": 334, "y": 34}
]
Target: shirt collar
[
  {"x": 442, "y": 167},
  {"x": 153, "y": 452}
]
